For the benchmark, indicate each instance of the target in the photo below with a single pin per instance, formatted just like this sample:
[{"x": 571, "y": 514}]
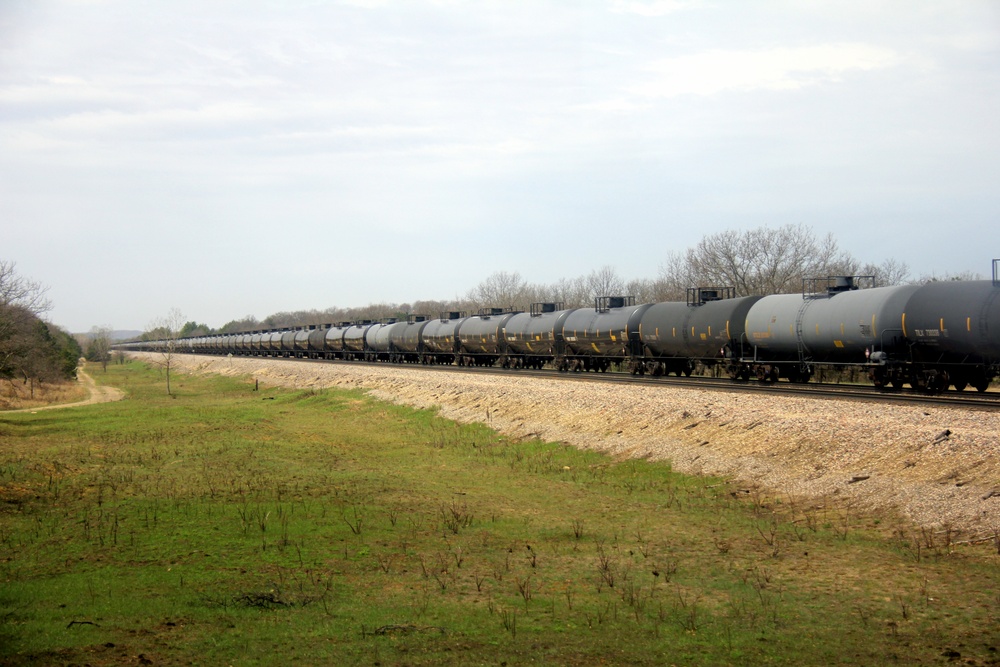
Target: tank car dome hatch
[
  {"x": 495, "y": 312},
  {"x": 603, "y": 304},
  {"x": 842, "y": 284},
  {"x": 697, "y": 296},
  {"x": 831, "y": 285},
  {"x": 544, "y": 307}
]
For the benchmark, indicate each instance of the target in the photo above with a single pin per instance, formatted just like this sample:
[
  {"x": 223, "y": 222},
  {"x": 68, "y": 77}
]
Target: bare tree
[
  {"x": 571, "y": 292},
  {"x": 20, "y": 291},
  {"x": 888, "y": 273},
  {"x": 643, "y": 289},
  {"x": 167, "y": 330},
  {"x": 99, "y": 347},
  {"x": 604, "y": 281},
  {"x": 961, "y": 275},
  {"x": 500, "y": 289},
  {"x": 757, "y": 261}
]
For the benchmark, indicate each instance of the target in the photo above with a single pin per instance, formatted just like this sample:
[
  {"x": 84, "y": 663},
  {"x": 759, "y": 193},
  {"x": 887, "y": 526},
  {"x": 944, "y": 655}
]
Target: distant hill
[
  {"x": 121, "y": 334},
  {"x": 124, "y": 334}
]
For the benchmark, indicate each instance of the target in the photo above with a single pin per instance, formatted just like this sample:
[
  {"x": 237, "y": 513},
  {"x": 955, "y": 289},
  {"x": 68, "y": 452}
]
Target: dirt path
[{"x": 97, "y": 394}]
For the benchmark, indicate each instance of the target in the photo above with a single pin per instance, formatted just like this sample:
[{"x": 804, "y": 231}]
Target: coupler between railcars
[{"x": 769, "y": 372}]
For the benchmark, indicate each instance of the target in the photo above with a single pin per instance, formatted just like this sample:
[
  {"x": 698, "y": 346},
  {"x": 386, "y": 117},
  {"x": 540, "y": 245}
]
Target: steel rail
[{"x": 987, "y": 401}]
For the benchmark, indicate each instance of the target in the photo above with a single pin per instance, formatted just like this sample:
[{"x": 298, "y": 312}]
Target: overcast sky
[{"x": 241, "y": 157}]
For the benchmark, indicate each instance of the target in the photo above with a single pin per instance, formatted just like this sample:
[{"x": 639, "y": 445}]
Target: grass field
[{"x": 232, "y": 526}]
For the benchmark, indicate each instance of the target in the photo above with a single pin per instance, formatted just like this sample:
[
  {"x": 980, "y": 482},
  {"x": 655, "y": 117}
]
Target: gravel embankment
[{"x": 796, "y": 446}]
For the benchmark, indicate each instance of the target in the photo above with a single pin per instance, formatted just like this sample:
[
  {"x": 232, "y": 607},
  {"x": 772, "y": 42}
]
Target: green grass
[{"x": 228, "y": 526}]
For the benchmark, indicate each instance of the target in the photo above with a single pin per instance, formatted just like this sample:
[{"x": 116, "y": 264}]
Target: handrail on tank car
[
  {"x": 604, "y": 304},
  {"x": 881, "y": 339},
  {"x": 540, "y": 307},
  {"x": 818, "y": 288},
  {"x": 699, "y": 296},
  {"x": 744, "y": 344},
  {"x": 487, "y": 313},
  {"x": 996, "y": 272}
]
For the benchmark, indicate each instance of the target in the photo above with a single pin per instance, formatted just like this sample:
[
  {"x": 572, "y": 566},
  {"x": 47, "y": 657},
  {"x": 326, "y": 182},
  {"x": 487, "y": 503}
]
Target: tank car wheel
[
  {"x": 919, "y": 381},
  {"x": 878, "y": 378},
  {"x": 766, "y": 374},
  {"x": 938, "y": 382},
  {"x": 982, "y": 385}
]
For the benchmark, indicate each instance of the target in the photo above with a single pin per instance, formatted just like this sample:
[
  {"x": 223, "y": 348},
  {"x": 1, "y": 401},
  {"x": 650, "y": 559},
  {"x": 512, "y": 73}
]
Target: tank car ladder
[{"x": 803, "y": 371}]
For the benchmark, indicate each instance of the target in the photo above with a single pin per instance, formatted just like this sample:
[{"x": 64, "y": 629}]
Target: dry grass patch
[{"x": 18, "y": 395}]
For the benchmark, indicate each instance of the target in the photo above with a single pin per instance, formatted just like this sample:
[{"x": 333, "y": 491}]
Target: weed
[{"x": 259, "y": 520}]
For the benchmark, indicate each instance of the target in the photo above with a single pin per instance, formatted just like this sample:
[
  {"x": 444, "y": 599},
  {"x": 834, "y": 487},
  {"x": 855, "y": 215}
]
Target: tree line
[
  {"x": 754, "y": 262},
  {"x": 31, "y": 349}
]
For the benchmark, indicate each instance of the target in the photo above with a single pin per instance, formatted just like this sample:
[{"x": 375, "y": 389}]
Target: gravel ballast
[{"x": 937, "y": 467}]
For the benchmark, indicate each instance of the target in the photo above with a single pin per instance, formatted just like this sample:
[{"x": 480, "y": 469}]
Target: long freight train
[{"x": 931, "y": 336}]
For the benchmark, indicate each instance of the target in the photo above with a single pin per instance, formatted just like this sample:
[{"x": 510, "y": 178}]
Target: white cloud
[
  {"x": 717, "y": 71},
  {"x": 429, "y": 125},
  {"x": 614, "y": 106},
  {"x": 654, "y": 8}
]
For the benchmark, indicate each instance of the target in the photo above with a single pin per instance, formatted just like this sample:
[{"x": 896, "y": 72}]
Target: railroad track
[{"x": 969, "y": 400}]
